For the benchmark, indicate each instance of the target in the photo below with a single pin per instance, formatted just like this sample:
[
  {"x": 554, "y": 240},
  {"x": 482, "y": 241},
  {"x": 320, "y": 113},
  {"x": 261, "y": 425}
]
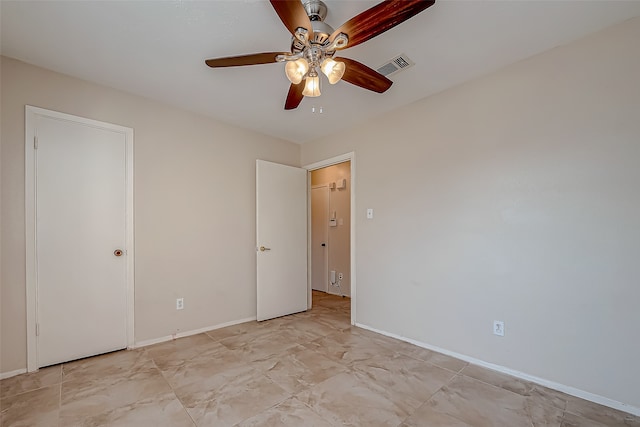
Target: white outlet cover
[
  {"x": 498, "y": 328},
  {"x": 369, "y": 213}
]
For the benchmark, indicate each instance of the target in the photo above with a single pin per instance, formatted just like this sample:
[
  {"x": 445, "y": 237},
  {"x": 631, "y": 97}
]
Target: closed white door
[
  {"x": 80, "y": 227},
  {"x": 319, "y": 238},
  {"x": 281, "y": 236}
]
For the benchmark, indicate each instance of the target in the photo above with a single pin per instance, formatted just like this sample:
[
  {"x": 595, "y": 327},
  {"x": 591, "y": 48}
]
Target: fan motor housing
[
  {"x": 321, "y": 32},
  {"x": 317, "y": 11}
]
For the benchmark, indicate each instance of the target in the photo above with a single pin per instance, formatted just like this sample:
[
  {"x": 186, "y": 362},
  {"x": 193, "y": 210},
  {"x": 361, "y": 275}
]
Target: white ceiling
[{"x": 157, "y": 49}]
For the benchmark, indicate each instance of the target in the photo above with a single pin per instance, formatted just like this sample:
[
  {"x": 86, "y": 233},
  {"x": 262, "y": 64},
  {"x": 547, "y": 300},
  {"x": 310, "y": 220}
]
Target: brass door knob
[
  {"x": 262, "y": 249},
  {"x": 118, "y": 252}
]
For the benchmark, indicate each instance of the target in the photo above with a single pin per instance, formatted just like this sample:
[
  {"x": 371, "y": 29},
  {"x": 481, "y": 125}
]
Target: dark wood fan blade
[
  {"x": 292, "y": 15},
  {"x": 294, "y": 97},
  {"x": 252, "y": 59},
  {"x": 380, "y": 18},
  {"x": 359, "y": 74}
]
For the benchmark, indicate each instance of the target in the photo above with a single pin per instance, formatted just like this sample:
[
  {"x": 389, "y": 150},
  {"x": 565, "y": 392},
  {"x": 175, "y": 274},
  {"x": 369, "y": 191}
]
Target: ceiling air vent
[{"x": 398, "y": 63}]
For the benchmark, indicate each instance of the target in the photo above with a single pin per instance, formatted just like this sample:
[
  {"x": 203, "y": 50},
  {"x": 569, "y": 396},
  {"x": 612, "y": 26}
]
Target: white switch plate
[
  {"x": 369, "y": 213},
  {"x": 179, "y": 303},
  {"x": 498, "y": 328}
]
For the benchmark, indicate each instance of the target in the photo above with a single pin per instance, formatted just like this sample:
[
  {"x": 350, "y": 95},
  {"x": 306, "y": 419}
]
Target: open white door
[{"x": 281, "y": 239}]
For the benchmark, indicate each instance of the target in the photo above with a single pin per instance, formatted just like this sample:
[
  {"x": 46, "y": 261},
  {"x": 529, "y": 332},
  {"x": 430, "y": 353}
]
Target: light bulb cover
[
  {"x": 334, "y": 70},
  {"x": 312, "y": 86},
  {"x": 295, "y": 70}
]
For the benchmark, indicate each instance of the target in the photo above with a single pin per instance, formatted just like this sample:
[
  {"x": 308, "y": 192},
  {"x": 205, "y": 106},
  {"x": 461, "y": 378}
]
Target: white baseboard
[
  {"x": 189, "y": 333},
  {"x": 5, "y": 375},
  {"x": 541, "y": 381}
]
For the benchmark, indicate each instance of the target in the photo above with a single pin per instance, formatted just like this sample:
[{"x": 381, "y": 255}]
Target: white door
[
  {"x": 80, "y": 224},
  {"x": 281, "y": 239},
  {"x": 319, "y": 238}
]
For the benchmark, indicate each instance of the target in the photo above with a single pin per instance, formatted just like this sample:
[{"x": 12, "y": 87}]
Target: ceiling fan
[{"x": 314, "y": 44}]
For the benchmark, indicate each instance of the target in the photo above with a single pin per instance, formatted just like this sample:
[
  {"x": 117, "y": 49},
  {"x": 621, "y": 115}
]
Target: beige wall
[
  {"x": 339, "y": 236},
  {"x": 514, "y": 197},
  {"x": 194, "y": 205}
]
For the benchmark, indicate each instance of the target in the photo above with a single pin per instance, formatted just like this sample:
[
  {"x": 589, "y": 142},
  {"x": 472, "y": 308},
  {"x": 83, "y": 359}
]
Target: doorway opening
[{"x": 331, "y": 236}]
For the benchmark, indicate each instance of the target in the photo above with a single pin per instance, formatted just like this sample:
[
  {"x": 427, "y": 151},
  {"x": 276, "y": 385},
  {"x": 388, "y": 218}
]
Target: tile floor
[{"x": 308, "y": 369}]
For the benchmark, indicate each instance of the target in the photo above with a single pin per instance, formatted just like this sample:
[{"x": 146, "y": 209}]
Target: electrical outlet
[
  {"x": 179, "y": 303},
  {"x": 340, "y": 276},
  {"x": 498, "y": 328}
]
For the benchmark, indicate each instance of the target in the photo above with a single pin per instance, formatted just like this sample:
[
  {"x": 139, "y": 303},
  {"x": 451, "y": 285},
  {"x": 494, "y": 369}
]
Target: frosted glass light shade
[
  {"x": 295, "y": 70},
  {"x": 334, "y": 70},
  {"x": 312, "y": 86}
]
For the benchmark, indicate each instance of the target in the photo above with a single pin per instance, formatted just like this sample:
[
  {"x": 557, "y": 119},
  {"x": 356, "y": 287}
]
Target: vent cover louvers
[{"x": 396, "y": 64}]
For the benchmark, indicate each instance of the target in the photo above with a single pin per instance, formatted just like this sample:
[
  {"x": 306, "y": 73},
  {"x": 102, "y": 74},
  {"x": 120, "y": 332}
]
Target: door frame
[
  {"x": 31, "y": 116},
  {"x": 346, "y": 157}
]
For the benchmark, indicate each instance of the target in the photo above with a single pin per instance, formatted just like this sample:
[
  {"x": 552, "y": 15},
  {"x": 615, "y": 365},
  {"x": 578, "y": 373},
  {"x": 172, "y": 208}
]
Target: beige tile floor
[{"x": 308, "y": 369}]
